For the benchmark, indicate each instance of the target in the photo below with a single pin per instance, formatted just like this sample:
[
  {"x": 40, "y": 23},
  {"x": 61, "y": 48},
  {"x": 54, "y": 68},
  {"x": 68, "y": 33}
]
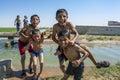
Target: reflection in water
[{"x": 100, "y": 52}]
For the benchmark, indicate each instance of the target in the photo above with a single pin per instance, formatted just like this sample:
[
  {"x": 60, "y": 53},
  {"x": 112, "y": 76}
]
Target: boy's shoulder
[{"x": 55, "y": 25}]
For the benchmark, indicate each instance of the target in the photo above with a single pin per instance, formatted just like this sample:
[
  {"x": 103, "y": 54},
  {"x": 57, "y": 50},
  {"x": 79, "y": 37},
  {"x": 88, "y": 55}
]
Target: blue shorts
[
  {"x": 37, "y": 53},
  {"x": 18, "y": 26}
]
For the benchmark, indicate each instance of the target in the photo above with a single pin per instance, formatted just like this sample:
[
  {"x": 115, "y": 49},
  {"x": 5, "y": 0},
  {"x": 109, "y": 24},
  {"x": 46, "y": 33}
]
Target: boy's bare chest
[
  {"x": 71, "y": 51},
  {"x": 71, "y": 54},
  {"x": 28, "y": 31},
  {"x": 37, "y": 46},
  {"x": 62, "y": 29}
]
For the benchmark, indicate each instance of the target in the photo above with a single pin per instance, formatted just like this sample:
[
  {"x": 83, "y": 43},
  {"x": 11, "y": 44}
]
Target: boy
[
  {"x": 61, "y": 17},
  {"x": 25, "y": 36},
  {"x": 37, "y": 51},
  {"x": 17, "y": 23},
  {"x": 72, "y": 52},
  {"x": 63, "y": 25},
  {"x": 25, "y": 21}
]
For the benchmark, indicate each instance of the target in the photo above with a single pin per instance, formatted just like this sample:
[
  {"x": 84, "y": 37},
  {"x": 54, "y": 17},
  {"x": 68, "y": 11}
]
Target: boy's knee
[{"x": 23, "y": 57}]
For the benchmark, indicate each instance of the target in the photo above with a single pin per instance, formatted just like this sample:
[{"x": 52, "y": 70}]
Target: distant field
[
  {"x": 7, "y": 29},
  {"x": 81, "y": 37},
  {"x": 12, "y": 29}
]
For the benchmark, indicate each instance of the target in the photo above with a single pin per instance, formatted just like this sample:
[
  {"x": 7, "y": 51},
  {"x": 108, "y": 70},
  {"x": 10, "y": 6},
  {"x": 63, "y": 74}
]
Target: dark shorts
[
  {"x": 76, "y": 71},
  {"x": 61, "y": 57},
  {"x": 18, "y": 26}
]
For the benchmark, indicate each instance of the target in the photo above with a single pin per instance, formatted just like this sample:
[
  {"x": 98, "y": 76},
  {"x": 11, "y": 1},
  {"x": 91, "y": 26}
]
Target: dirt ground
[{"x": 47, "y": 72}]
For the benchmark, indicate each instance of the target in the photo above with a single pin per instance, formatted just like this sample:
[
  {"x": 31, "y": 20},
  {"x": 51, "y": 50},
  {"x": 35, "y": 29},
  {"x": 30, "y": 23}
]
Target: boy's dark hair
[
  {"x": 61, "y": 11},
  {"x": 35, "y": 31},
  {"x": 63, "y": 33},
  {"x": 35, "y": 15}
]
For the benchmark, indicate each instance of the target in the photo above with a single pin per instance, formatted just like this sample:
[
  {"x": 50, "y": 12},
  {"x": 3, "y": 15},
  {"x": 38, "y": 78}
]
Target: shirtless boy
[
  {"x": 61, "y": 17},
  {"x": 63, "y": 25},
  {"x": 25, "y": 36},
  {"x": 37, "y": 51},
  {"x": 17, "y": 23},
  {"x": 72, "y": 52}
]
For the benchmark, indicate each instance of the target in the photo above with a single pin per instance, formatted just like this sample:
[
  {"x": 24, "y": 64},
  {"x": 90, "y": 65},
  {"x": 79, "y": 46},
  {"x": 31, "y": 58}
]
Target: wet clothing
[
  {"x": 76, "y": 71},
  {"x": 37, "y": 53},
  {"x": 21, "y": 46}
]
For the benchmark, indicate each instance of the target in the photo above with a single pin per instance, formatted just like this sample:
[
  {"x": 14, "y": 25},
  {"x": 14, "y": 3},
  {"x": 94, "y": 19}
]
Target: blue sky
[{"x": 81, "y": 12}]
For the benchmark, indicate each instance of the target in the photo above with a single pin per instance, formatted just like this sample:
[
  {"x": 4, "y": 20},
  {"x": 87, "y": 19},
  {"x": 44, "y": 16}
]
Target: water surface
[{"x": 101, "y": 52}]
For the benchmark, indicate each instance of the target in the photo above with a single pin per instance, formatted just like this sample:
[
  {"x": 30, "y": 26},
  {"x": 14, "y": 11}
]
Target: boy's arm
[
  {"x": 85, "y": 53},
  {"x": 21, "y": 33},
  {"x": 43, "y": 36},
  {"x": 76, "y": 63},
  {"x": 54, "y": 35},
  {"x": 15, "y": 22},
  {"x": 74, "y": 31},
  {"x": 28, "y": 45}
]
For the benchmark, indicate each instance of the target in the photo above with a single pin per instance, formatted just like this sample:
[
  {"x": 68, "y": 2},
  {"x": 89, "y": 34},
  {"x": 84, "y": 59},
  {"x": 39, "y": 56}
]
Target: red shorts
[{"x": 21, "y": 46}]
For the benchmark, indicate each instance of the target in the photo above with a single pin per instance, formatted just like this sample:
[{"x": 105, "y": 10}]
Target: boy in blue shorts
[{"x": 37, "y": 51}]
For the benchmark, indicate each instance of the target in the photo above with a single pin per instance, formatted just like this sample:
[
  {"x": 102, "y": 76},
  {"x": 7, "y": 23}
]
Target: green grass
[
  {"x": 7, "y": 29},
  {"x": 110, "y": 73},
  {"x": 14, "y": 29}
]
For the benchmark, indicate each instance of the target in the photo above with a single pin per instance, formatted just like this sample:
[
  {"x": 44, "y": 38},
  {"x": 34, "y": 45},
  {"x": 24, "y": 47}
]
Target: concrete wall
[
  {"x": 5, "y": 69},
  {"x": 98, "y": 30}
]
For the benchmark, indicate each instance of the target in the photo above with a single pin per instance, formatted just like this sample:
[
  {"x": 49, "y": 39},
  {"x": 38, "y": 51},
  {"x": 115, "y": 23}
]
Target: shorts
[
  {"x": 18, "y": 26},
  {"x": 37, "y": 53},
  {"x": 61, "y": 57},
  {"x": 76, "y": 71},
  {"x": 21, "y": 46}
]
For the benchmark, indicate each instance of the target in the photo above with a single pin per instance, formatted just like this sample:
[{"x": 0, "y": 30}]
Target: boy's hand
[
  {"x": 57, "y": 53},
  {"x": 72, "y": 42},
  {"x": 76, "y": 63},
  {"x": 26, "y": 47},
  {"x": 43, "y": 33}
]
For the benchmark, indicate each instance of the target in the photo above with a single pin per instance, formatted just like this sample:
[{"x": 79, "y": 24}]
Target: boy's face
[
  {"x": 25, "y": 17},
  {"x": 63, "y": 41},
  {"x": 35, "y": 21},
  {"x": 62, "y": 18},
  {"x": 36, "y": 37}
]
